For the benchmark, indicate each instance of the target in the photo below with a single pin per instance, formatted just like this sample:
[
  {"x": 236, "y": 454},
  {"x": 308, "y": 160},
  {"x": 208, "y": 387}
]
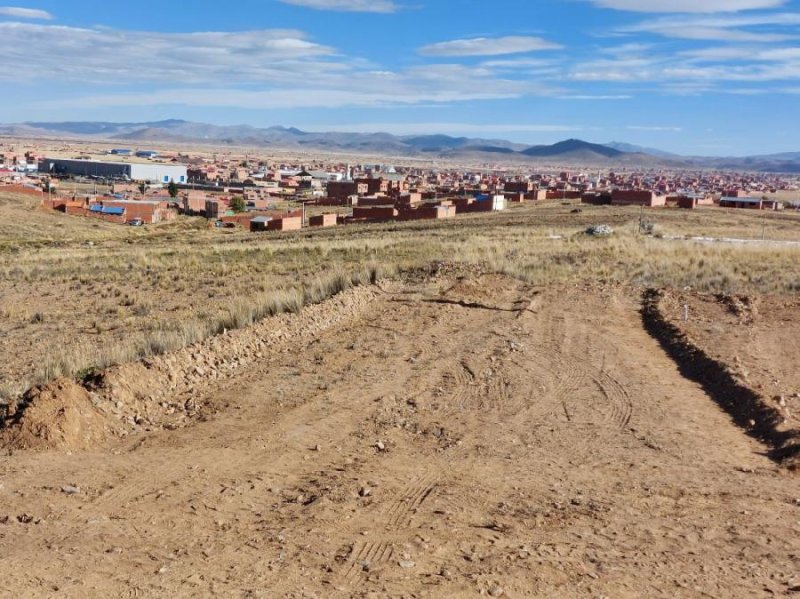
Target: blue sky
[{"x": 703, "y": 77}]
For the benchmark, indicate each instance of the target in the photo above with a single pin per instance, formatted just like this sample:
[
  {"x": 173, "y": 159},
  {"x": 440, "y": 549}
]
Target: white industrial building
[{"x": 152, "y": 172}]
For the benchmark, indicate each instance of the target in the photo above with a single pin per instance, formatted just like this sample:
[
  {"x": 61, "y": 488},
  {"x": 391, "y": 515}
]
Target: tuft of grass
[
  {"x": 239, "y": 314},
  {"x": 184, "y": 282}
]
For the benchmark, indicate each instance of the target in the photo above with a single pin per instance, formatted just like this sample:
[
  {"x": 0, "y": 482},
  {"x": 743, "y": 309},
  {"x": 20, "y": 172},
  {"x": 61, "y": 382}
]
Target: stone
[
  {"x": 70, "y": 490},
  {"x": 496, "y": 591},
  {"x": 599, "y": 230},
  {"x": 406, "y": 564}
]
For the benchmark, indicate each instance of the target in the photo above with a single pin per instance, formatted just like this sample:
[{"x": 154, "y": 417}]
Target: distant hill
[
  {"x": 634, "y": 149},
  {"x": 567, "y": 152},
  {"x": 573, "y": 148}
]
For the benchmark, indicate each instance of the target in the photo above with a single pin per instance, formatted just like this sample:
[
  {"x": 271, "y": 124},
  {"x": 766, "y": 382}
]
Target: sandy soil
[
  {"x": 457, "y": 437},
  {"x": 759, "y": 336}
]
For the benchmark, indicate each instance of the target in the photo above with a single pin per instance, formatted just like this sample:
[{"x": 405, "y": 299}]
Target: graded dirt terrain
[
  {"x": 456, "y": 436},
  {"x": 758, "y": 336}
]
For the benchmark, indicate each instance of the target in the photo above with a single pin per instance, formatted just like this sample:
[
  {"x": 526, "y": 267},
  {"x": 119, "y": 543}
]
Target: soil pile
[{"x": 59, "y": 415}]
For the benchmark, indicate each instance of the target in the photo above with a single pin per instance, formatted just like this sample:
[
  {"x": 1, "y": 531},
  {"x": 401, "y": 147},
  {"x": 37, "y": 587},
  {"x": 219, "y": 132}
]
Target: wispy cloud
[
  {"x": 276, "y": 67},
  {"x": 594, "y": 97},
  {"x": 25, "y": 13},
  {"x": 762, "y": 27},
  {"x": 276, "y": 98},
  {"x": 110, "y": 57},
  {"x": 687, "y": 6},
  {"x": 376, "y": 6},
  {"x": 482, "y": 46}
]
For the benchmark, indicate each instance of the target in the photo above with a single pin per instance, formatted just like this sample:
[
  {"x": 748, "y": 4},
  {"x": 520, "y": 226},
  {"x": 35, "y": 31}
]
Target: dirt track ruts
[{"x": 551, "y": 451}]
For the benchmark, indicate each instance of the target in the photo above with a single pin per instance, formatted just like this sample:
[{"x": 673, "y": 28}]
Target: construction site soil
[{"x": 450, "y": 435}]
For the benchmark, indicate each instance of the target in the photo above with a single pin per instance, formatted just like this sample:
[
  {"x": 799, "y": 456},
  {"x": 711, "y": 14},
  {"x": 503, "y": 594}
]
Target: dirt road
[{"x": 457, "y": 438}]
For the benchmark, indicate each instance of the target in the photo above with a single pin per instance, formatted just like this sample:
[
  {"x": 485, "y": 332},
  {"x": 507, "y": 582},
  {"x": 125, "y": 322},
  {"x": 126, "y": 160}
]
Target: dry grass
[
  {"x": 66, "y": 306},
  {"x": 238, "y": 314}
]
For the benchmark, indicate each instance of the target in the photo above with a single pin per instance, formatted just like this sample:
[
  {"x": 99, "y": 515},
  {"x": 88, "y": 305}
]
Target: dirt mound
[
  {"x": 161, "y": 392},
  {"x": 417, "y": 448},
  {"x": 59, "y": 415},
  {"x": 742, "y": 306},
  {"x": 748, "y": 408}
]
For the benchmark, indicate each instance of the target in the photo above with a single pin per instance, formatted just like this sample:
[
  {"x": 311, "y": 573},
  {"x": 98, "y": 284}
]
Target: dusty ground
[
  {"x": 455, "y": 437},
  {"x": 759, "y": 336}
]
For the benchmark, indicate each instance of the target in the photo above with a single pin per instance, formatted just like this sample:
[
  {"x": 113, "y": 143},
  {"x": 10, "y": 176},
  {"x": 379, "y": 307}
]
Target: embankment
[{"x": 746, "y": 407}]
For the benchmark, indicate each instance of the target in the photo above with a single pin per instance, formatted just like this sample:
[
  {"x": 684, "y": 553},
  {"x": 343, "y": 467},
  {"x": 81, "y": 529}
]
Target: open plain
[{"x": 490, "y": 407}]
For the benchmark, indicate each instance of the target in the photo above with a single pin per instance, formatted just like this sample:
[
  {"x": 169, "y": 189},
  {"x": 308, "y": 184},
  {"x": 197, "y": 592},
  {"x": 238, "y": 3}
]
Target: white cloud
[
  {"x": 377, "y": 6},
  {"x": 595, "y": 97},
  {"x": 742, "y": 53},
  {"x": 25, "y": 13},
  {"x": 483, "y": 46},
  {"x": 260, "y": 69},
  {"x": 516, "y": 63},
  {"x": 687, "y": 6},
  {"x": 276, "y": 98},
  {"x": 731, "y": 28},
  {"x": 111, "y": 57}
]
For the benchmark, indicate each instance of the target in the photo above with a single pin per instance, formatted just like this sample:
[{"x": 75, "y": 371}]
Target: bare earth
[{"x": 458, "y": 437}]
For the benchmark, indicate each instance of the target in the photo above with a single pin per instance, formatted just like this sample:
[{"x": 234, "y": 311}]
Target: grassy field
[{"x": 77, "y": 293}]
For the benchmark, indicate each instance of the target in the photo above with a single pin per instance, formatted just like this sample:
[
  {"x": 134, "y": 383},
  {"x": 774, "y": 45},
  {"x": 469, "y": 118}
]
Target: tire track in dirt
[
  {"x": 400, "y": 512},
  {"x": 619, "y": 400},
  {"x": 618, "y": 407},
  {"x": 141, "y": 483},
  {"x": 364, "y": 555},
  {"x": 584, "y": 398},
  {"x": 395, "y": 517}
]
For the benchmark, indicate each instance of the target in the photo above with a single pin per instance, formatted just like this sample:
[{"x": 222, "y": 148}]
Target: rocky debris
[
  {"x": 599, "y": 230},
  {"x": 406, "y": 564},
  {"x": 496, "y": 591},
  {"x": 70, "y": 490}
]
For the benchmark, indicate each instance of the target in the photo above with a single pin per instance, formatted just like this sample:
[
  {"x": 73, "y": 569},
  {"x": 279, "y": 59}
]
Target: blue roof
[{"x": 106, "y": 209}]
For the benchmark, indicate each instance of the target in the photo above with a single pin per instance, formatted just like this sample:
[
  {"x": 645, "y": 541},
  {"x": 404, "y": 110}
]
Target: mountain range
[{"x": 571, "y": 151}]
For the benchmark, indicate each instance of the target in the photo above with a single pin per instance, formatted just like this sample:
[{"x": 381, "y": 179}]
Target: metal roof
[{"x": 106, "y": 209}]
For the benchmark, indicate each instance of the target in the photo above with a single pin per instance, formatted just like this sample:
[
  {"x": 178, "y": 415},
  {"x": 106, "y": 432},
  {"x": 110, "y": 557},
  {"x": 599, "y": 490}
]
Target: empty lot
[{"x": 460, "y": 434}]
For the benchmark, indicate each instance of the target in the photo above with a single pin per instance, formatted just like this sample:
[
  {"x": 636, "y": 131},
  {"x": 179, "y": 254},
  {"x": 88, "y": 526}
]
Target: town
[
  {"x": 259, "y": 193},
  {"x": 399, "y": 299}
]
